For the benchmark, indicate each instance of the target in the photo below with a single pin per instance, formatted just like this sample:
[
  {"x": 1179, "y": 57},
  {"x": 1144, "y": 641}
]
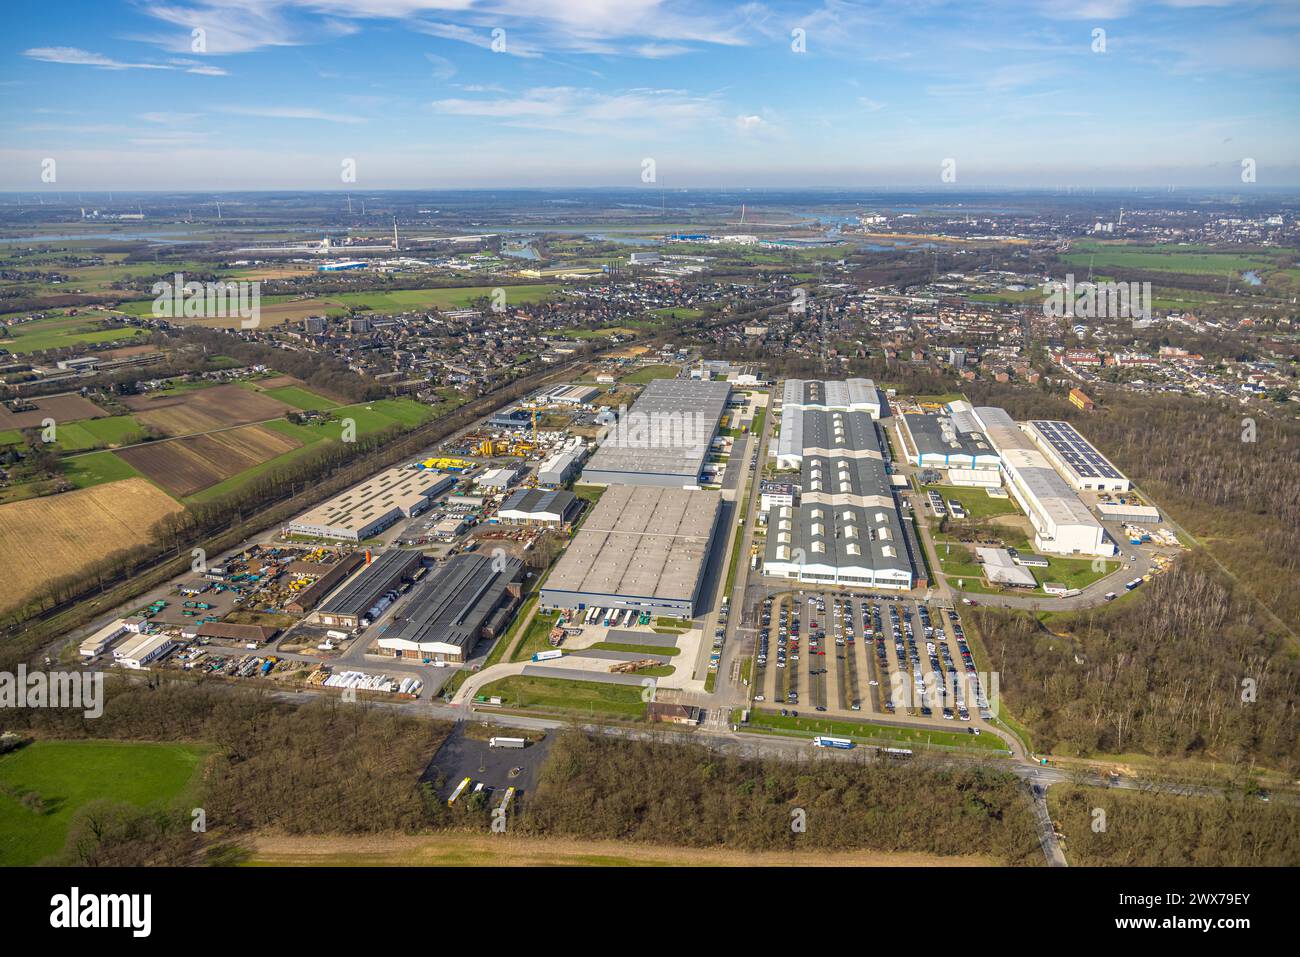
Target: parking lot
[{"x": 857, "y": 655}]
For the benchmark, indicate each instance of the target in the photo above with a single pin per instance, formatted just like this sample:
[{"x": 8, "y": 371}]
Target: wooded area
[
  {"x": 684, "y": 794},
  {"x": 1191, "y": 670},
  {"x": 1147, "y": 829}
]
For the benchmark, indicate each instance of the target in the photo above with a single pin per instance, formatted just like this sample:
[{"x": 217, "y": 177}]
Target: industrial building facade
[
  {"x": 664, "y": 438},
  {"x": 370, "y": 507},
  {"x": 468, "y": 598},
  {"x": 1062, "y": 523},
  {"x": 847, "y": 528},
  {"x": 643, "y": 548}
]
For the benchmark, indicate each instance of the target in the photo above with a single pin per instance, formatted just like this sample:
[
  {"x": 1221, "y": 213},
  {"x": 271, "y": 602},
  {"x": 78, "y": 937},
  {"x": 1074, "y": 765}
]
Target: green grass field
[
  {"x": 576, "y": 697},
  {"x": 403, "y": 300},
  {"x": 58, "y": 332},
  {"x": 65, "y": 775},
  {"x": 97, "y": 433},
  {"x": 301, "y": 398},
  {"x": 1198, "y": 260},
  {"x": 669, "y": 650},
  {"x": 976, "y": 502},
  {"x": 878, "y": 733},
  {"x": 537, "y": 637},
  {"x": 96, "y": 468}
]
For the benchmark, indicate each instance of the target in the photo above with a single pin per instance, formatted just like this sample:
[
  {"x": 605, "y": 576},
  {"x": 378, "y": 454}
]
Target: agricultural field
[
  {"x": 272, "y": 311},
  {"x": 188, "y": 465},
  {"x": 60, "y": 408},
  {"x": 187, "y": 411},
  {"x": 650, "y": 373},
  {"x": 47, "y": 538},
  {"x": 369, "y": 418},
  {"x": 44, "y": 784},
  {"x": 59, "y": 332},
  {"x": 1198, "y": 260},
  {"x": 108, "y": 432},
  {"x": 404, "y": 300}
]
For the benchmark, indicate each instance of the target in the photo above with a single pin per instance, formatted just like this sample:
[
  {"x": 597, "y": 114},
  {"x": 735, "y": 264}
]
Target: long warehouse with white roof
[
  {"x": 1063, "y": 525},
  {"x": 373, "y": 505},
  {"x": 1075, "y": 457}
]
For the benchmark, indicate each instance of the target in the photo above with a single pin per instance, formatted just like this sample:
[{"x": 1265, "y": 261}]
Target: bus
[
  {"x": 460, "y": 789},
  {"x": 825, "y": 741},
  {"x": 505, "y": 801},
  {"x": 547, "y": 655}
]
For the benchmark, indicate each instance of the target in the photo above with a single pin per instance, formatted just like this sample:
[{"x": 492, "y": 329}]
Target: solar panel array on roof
[{"x": 1076, "y": 451}]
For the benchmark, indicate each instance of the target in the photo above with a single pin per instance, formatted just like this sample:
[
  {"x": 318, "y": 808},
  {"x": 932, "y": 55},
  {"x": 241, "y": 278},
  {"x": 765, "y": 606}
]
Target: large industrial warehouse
[
  {"x": 847, "y": 528},
  {"x": 1062, "y": 523},
  {"x": 816, "y": 395},
  {"x": 664, "y": 438},
  {"x": 1075, "y": 457},
  {"x": 642, "y": 548},
  {"x": 370, "y": 507},
  {"x": 468, "y": 598}
]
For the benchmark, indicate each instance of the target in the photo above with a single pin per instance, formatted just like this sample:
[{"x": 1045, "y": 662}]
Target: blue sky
[{"x": 279, "y": 93}]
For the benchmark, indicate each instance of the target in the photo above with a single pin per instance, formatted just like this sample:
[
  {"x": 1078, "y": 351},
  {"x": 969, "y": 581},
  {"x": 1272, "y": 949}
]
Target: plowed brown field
[
  {"x": 188, "y": 465},
  {"x": 202, "y": 410}
]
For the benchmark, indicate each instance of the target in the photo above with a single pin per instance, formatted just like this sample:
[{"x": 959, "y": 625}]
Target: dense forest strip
[{"x": 1113, "y": 828}]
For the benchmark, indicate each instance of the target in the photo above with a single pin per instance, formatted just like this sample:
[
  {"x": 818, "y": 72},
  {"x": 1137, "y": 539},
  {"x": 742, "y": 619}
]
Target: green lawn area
[
  {"x": 65, "y": 775},
  {"x": 557, "y": 694},
  {"x": 401, "y": 300},
  {"x": 11, "y": 437},
  {"x": 95, "y": 468},
  {"x": 1191, "y": 261},
  {"x": 300, "y": 398},
  {"x": 976, "y": 501},
  {"x": 97, "y": 433},
  {"x": 637, "y": 649},
  {"x": 1071, "y": 572},
  {"x": 650, "y": 373},
  {"x": 876, "y": 733},
  {"x": 59, "y": 331},
  {"x": 537, "y": 637}
]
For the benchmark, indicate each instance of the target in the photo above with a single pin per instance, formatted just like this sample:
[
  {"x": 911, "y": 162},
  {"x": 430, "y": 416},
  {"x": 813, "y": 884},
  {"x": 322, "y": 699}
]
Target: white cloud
[
  {"x": 443, "y": 69},
  {"x": 74, "y": 56},
  {"x": 291, "y": 113}
]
